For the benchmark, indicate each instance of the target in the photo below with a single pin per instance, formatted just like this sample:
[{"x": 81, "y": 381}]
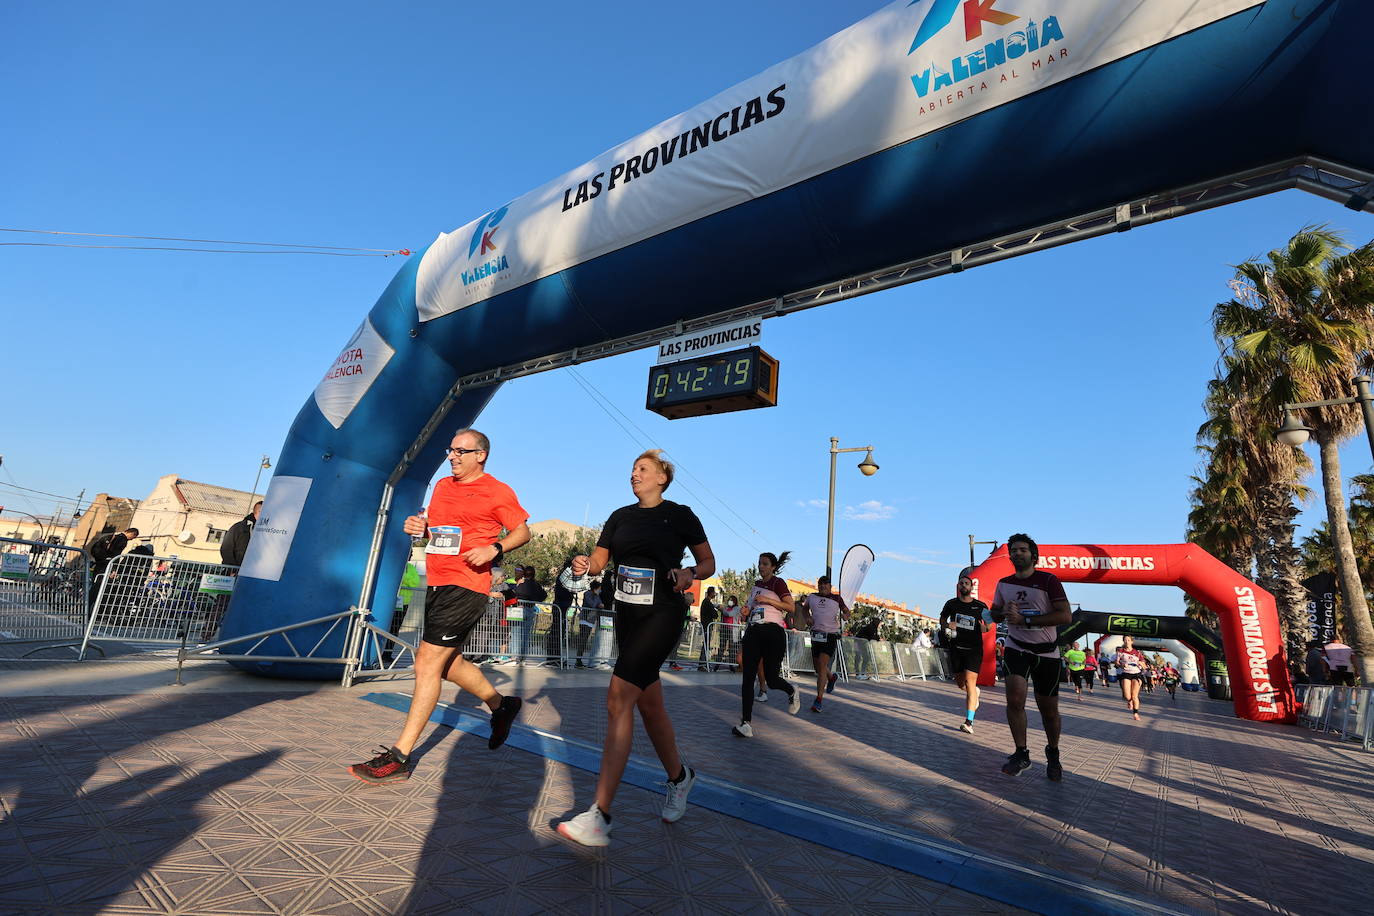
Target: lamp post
[
  {"x": 867, "y": 466},
  {"x": 1294, "y": 432},
  {"x": 264, "y": 465},
  {"x": 971, "y": 542},
  {"x": 38, "y": 523}
]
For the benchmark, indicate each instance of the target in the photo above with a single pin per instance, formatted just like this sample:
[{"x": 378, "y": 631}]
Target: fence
[
  {"x": 159, "y": 600},
  {"x": 43, "y": 591},
  {"x": 1344, "y": 711}
]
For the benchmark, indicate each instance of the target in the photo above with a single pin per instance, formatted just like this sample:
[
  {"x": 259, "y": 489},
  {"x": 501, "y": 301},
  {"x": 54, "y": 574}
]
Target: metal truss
[{"x": 1351, "y": 187}]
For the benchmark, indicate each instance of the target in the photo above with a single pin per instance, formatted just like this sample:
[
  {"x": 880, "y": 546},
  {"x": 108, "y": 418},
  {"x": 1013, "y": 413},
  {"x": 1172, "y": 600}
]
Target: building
[
  {"x": 188, "y": 520},
  {"x": 105, "y": 514},
  {"x": 33, "y": 528}
]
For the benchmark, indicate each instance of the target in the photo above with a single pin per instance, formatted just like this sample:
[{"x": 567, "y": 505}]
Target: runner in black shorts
[
  {"x": 647, "y": 540},
  {"x": 1033, "y": 604},
  {"x": 964, "y": 626},
  {"x": 827, "y": 611}
]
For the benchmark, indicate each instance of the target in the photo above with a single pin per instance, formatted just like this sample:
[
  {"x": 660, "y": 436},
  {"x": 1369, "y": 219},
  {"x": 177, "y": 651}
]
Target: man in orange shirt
[{"x": 466, "y": 516}]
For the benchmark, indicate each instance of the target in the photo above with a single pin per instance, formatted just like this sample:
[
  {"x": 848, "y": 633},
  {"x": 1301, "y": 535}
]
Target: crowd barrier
[
  {"x": 1344, "y": 711},
  {"x": 159, "y": 600},
  {"x": 43, "y": 591}
]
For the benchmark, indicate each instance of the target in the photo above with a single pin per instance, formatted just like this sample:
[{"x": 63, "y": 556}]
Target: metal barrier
[
  {"x": 593, "y": 646},
  {"x": 159, "y": 600},
  {"x": 689, "y": 646},
  {"x": 857, "y": 657},
  {"x": 519, "y": 633},
  {"x": 724, "y": 642},
  {"x": 884, "y": 660},
  {"x": 43, "y": 591},
  {"x": 920, "y": 661},
  {"x": 798, "y": 657},
  {"x": 1344, "y": 711}
]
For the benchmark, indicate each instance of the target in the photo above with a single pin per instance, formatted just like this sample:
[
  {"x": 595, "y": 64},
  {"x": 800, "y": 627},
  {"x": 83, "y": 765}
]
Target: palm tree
[
  {"x": 1300, "y": 325},
  {"x": 1252, "y": 484}
]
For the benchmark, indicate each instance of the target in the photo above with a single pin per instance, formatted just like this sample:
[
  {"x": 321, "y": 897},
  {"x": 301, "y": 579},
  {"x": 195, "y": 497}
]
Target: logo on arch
[
  {"x": 976, "y": 12},
  {"x": 483, "y": 244},
  {"x": 1000, "y": 38},
  {"x": 1130, "y": 626}
]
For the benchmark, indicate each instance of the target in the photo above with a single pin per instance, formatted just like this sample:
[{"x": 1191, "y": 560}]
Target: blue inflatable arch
[{"x": 886, "y": 154}]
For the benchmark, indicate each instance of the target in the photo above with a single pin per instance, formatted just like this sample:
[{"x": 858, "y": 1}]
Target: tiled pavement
[{"x": 207, "y": 801}]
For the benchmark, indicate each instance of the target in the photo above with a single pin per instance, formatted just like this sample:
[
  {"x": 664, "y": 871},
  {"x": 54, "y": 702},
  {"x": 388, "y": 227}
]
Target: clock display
[{"x": 719, "y": 383}]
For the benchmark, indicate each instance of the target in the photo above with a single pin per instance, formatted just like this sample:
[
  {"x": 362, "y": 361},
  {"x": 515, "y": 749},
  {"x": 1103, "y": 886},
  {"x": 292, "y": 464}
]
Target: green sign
[
  {"x": 214, "y": 586},
  {"x": 1127, "y": 625},
  {"x": 1217, "y": 667},
  {"x": 14, "y": 566}
]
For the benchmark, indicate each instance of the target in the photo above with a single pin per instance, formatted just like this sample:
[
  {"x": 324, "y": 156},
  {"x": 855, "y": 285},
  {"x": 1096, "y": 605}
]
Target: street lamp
[
  {"x": 261, "y": 467},
  {"x": 868, "y": 466},
  {"x": 971, "y": 542},
  {"x": 1294, "y": 432}
]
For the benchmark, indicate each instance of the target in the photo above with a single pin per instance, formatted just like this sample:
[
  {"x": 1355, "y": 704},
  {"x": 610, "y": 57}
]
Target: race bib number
[
  {"x": 756, "y": 608},
  {"x": 818, "y": 636},
  {"x": 634, "y": 585},
  {"x": 515, "y": 613},
  {"x": 445, "y": 540},
  {"x": 963, "y": 622}
]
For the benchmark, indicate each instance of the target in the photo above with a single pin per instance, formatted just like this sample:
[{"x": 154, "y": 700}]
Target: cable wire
[
  {"x": 173, "y": 238},
  {"x": 333, "y": 254}
]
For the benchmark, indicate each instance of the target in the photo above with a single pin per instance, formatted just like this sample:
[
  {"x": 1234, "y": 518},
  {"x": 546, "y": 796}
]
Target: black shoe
[
  {"x": 579, "y": 664},
  {"x": 502, "y": 719},
  {"x": 385, "y": 767},
  {"x": 1054, "y": 770},
  {"x": 1017, "y": 763}
]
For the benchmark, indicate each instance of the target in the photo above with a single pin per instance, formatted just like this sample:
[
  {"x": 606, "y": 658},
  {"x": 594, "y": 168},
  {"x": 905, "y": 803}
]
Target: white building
[{"x": 186, "y": 519}]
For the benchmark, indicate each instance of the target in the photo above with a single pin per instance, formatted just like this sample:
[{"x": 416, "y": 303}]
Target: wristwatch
[{"x": 500, "y": 552}]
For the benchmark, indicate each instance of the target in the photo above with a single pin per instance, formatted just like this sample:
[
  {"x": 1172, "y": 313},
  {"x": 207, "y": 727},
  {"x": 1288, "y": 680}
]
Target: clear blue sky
[{"x": 355, "y": 124}]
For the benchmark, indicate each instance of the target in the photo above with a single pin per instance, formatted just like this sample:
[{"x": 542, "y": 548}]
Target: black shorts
[
  {"x": 828, "y": 646},
  {"x": 451, "y": 612},
  {"x": 1123, "y": 676},
  {"x": 645, "y": 637},
  {"x": 1342, "y": 677},
  {"x": 965, "y": 660},
  {"x": 1042, "y": 672},
  {"x": 1077, "y": 676}
]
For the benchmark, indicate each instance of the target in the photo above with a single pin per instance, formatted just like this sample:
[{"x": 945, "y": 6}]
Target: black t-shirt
[
  {"x": 709, "y": 614},
  {"x": 645, "y": 545},
  {"x": 967, "y": 619},
  {"x": 530, "y": 590}
]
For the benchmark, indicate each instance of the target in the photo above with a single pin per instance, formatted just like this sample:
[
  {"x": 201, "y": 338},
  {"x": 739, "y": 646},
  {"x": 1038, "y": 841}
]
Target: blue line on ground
[{"x": 946, "y": 863}]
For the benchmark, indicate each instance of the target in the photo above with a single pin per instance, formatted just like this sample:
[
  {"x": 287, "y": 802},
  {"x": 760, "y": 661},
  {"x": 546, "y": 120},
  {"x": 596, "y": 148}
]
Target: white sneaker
[
  {"x": 743, "y": 730},
  {"x": 676, "y": 804},
  {"x": 589, "y": 828},
  {"x": 761, "y": 696},
  {"x": 794, "y": 702},
  {"x": 966, "y": 726}
]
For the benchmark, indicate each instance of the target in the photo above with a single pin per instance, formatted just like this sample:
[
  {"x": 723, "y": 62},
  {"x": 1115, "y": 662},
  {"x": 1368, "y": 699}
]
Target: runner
[
  {"x": 466, "y": 515},
  {"x": 961, "y": 620},
  {"x": 1076, "y": 659},
  {"x": 647, "y": 539},
  {"x": 1090, "y": 670},
  {"x": 765, "y": 640},
  {"x": 1033, "y": 603},
  {"x": 1171, "y": 679},
  {"x": 827, "y": 611},
  {"x": 1130, "y": 664}
]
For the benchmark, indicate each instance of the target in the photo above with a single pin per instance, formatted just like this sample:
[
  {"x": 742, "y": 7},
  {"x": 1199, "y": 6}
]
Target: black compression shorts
[
  {"x": 965, "y": 660},
  {"x": 828, "y": 646},
  {"x": 646, "y": 636},
  {"x": 1042, "y": 672},
  {"x": 451, "y": 612}
]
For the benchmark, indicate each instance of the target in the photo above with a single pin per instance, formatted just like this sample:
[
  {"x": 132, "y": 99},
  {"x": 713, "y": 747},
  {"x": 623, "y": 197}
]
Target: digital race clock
[{"x": 720, "y": 383}]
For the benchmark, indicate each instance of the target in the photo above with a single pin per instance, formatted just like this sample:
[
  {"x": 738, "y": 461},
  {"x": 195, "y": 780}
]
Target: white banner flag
[{"x": 858, "y": 560}]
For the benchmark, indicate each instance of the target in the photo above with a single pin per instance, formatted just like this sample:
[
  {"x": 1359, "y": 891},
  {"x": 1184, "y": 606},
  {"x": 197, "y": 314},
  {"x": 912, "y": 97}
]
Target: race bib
[
  {"x": 634, "y": 585},
  {"x": 756, "y": 608},
  {"x": 963, "y": 622},
  {"x": 818, "y": 636},
  {"x": 445, "y": 540}
]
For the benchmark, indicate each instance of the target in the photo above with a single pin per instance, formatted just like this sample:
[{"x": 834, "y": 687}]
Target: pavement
[{"x": 126, "y": 794}]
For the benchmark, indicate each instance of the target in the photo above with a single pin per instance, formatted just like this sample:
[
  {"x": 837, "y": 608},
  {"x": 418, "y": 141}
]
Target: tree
[
  {"x": 1300, "y": 325},
  {"x": 738, "y": 584},
  {"x": 548, "y": 552}
]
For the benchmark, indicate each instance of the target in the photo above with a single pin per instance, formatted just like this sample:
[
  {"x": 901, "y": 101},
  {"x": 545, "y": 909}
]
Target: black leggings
[{"x": 766, "y": 641}]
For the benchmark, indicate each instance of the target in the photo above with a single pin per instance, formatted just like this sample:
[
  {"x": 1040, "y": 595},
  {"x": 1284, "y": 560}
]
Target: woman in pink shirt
[{"x": 765, "y": 639}]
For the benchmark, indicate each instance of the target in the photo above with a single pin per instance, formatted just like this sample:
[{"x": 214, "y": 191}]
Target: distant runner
[
  {"x": 1077, "y": 660},
  {"x": 828, "y": 611},
  {"x": 765, "y": 640},
  {"x": 1130, "y": 664},
  {"x": 1032, "y": 603},
  {"x": 962, "y": 621}
]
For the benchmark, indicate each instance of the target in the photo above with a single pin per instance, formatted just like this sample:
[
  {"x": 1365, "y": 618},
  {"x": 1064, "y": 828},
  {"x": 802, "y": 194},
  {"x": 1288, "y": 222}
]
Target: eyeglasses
[{"x": 460, "y": 452}]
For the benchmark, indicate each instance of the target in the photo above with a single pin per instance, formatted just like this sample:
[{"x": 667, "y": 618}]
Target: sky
[{"x": 353, "y": 125}]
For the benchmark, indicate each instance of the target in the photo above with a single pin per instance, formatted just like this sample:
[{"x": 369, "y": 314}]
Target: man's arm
[{"x": 1061, "y": 614}]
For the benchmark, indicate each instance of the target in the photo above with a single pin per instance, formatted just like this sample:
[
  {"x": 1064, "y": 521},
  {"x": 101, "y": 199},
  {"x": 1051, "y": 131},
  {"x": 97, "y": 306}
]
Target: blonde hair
[{"x": 656, "y": 456}]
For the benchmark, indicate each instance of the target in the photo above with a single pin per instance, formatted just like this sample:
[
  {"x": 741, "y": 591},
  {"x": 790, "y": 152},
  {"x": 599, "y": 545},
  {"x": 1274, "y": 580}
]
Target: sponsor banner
[
  {"x": 858, "y": 560},
  {"x": 14, "y": 565},
  {"x": 352, "y": 373},
  {"x": 1321, "y": 606},
  {"x": 909, "y": 69},
  {"x": 1128, "y": 625},
  {"x": 216, "y": 585},
  {"x": 275, "y": 528},
  {"x": 718, "y": 339}
]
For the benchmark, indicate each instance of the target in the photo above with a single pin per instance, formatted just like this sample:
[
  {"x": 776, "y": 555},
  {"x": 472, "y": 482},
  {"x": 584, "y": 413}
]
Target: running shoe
[
  {"x": 761, "y": 696},
  {"x": 675, "y": 666},
  {"x": 743, "y": 730},
  {"x": 385, "y": 767},
  {"x": 816, "y": 706},
  {"x": 676, "y": 804},
  {"x": 1017, "y": 763},
  {"x": 501, "y": 720},
  {"x": 794, "y": 702},
  {"x": 589, "y": 828},
  {"x": 966, "y": 727},
  {"x": 1054, "y": 770},
  {"x": 830, "y": 684}
]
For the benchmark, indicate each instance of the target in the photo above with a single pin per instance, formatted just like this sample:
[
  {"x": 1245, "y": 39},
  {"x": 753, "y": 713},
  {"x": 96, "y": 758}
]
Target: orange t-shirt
[{"x": 479, "y": 510}]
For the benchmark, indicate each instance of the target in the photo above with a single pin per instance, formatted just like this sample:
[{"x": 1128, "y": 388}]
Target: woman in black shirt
[{"x": 647, "y": 540}]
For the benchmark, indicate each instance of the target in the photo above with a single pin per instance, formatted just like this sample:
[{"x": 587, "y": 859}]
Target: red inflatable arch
[{"x": 1250, "y": 634}]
